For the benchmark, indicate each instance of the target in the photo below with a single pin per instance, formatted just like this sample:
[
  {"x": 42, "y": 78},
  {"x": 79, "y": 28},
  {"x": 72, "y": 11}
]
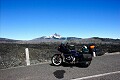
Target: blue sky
[{"x": 29, "y": 19}]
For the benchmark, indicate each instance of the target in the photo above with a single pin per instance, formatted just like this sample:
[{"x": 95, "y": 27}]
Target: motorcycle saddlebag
[{"x": 86, "y": 57}]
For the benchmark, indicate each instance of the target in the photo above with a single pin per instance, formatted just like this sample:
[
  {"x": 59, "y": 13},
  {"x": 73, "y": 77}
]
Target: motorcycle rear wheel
[
  {"x": 86, "y": 63},
  {"x": 57, "y": 60}
]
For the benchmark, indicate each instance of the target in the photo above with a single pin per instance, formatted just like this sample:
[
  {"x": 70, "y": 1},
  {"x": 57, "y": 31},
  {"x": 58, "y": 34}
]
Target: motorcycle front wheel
[{"x": 57, "y": 60}]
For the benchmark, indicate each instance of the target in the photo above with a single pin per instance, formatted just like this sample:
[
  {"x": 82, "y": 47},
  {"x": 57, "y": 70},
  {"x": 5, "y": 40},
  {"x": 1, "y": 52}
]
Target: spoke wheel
[
  {"x": 56, "y": 60},
  {"x": 87, "y": 63}
]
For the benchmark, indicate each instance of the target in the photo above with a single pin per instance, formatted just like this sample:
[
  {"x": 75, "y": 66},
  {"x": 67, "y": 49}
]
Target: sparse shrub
[{"x": 12, "y": 55}]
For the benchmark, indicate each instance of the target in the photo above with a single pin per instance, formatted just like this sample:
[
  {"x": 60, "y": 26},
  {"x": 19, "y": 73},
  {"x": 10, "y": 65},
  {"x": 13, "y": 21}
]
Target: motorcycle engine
[{"x": 70, "y": 59}]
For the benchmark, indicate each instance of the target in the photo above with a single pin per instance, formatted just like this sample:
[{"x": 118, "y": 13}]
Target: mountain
[
  {"x": 6, "y": 40},
  {"x": 58, "y": 38},
  {"x": 55, "y": 36},
  {"x": 73, "y": 38},
  {"x": 52, "y": 38},
  {"x": 107, "y": 39}
]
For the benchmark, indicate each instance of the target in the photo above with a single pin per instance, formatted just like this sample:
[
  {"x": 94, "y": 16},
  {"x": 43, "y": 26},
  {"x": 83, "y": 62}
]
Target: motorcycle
[{"x": 68, "y": 54}]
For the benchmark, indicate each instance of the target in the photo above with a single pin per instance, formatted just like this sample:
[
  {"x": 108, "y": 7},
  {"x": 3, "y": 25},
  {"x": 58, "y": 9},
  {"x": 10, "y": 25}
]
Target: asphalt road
[{"x": 102, "y": 68}]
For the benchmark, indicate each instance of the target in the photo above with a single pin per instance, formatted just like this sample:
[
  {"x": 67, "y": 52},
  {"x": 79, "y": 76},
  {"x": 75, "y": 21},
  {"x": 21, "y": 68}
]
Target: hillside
[
  {"x": 6, "y": 40},
  {"x": 12, "y": 52},
  {"x": 12, "y": 55}
]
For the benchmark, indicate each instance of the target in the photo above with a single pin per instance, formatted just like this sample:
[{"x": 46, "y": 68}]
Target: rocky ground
[{"x": 12, "y": 55}]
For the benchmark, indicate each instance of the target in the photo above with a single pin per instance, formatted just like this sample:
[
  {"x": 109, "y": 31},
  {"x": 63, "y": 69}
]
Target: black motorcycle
[{"x": 70, "y": 55}]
